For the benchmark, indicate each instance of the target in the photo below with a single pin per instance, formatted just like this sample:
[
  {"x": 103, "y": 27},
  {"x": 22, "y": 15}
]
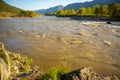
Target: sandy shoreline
[{"x": 56, "y": 41}]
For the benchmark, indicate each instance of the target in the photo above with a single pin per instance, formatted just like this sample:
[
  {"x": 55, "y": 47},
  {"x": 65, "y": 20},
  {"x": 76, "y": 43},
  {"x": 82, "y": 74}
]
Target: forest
[{"x": 111, "y": 10}]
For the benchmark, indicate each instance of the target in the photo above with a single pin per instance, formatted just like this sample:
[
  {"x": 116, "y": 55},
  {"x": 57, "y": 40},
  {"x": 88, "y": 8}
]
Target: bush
[
  {"x": 27, "y": 61},
  {"x": 17, "y": 57},
  {"x": 27, "y": 14},
  {"x": 54, "y": 73}
]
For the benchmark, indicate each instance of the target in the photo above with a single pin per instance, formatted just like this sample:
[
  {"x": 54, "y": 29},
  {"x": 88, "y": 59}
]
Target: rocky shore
[{"x": 15, "y": 67}]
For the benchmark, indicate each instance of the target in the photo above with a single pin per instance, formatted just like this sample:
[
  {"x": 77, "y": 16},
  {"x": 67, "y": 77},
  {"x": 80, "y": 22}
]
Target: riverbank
[
  {"x": 96, "y": 18},
  {"x": 16, "y": 67}
]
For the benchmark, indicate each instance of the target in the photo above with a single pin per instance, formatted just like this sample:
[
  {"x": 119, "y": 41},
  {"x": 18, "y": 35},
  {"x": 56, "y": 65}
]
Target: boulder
[
  {"x": 86, "y": 73},
  {"x": 108, "y": 22},
  {"x": 4, "y": 63}
]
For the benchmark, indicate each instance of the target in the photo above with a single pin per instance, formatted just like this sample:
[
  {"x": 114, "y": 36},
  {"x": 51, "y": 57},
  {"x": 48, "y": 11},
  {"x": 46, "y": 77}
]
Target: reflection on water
[{"x": 51, "y": 41}]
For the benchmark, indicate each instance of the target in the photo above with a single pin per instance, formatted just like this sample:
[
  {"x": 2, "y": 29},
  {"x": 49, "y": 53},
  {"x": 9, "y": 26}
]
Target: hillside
[
  {"x": 76, "y": 6},
  {"x": 52, "y": 9},
  {"x": 7, "y": 10}
]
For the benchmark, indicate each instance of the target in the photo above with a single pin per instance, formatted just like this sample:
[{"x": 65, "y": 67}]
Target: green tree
[
  {"x": 88, "y": 11},
  {"x": 104, "y": 10},
  {"x": 81, "y": 11},
  {"x": 96, "y": 10},
  {"x": 60, "y": 13},
  {"x": 27, "y": 14},
  {"x": 114, "y": 10},
  {"x": 71, "y": 12}
]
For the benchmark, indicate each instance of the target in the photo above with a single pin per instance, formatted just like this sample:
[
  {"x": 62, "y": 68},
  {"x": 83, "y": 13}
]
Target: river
[{"x": 52, "y": 41}]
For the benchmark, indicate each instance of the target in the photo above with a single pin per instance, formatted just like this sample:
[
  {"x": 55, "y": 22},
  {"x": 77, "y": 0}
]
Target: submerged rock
[
  {"x": 107, "y": 42},
  {"x": 79, "y": 42},
  {"x": 43, "y": 35},
  {"x": 62, "y": 40},
  {"x": 20, "y": 31},
  {"x": 37, "y": 36},
  {"x": 108, "y": 22}
]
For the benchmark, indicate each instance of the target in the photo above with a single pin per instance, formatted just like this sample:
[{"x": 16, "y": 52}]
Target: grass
[
  {"x": 6, "y": 14},
  {"x": 54, "y": 73},
  {"x": 27, "y": 61},
  {"x": 17, "y": 57}
]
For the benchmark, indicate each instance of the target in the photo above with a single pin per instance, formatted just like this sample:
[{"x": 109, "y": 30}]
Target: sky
[{"x": 40, "y": 4}]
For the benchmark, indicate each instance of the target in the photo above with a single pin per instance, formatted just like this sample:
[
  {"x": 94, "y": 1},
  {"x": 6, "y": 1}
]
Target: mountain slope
[
  {"x": 76, "y": 6},
  {"x": 6, "y": 9},
  {"x": 52, "y": 9}
]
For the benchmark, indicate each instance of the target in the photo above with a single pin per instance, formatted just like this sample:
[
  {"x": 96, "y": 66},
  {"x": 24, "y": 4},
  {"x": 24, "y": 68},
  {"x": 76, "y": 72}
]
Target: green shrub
[
  {"x": 27, "y": 61},
  {"x": 17, "y": 57},
  {"x": 54, "y": 73}
]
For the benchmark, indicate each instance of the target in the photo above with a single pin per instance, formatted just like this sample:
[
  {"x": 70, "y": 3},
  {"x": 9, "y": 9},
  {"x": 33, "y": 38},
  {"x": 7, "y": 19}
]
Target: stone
[
  {"x": 107, "y": 42},
  {"x": 79, "y": 42},
  {"x": 53, "y": 38},
  {"x": 16, "y": 69},
  {"x": 18, "y": 64},
  {"x": 20, "y": 31},
  {"x": 86, "y": 73},
  {"x": 4, "y": 63},
  {"x": 62, "y": 40},
  {"x": 31, "y": 75},
  {"x": 108, "y": 22},
  {"x": 1, "y": 46}
]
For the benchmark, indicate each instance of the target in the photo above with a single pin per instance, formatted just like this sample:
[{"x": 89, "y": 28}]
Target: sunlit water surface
[{"x": 52, "y": 41}]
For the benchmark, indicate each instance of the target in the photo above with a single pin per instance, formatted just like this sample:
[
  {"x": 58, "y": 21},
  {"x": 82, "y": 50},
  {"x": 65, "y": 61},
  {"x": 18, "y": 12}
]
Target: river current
[{"x": 51, "y": 41}]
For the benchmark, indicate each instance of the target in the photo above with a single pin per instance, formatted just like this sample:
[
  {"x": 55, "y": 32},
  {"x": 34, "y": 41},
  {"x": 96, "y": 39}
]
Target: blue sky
[{"x": 40, "y": 4}]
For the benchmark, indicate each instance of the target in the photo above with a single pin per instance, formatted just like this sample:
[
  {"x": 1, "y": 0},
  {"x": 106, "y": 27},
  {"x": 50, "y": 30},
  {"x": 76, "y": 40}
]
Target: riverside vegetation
[
  {"x": 111, "y": 10},
  {"x": 15, "y": 67}
]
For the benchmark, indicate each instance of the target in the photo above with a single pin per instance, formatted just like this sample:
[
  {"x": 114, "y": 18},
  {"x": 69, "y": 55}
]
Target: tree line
[
  {"x": 111, "y": 10},
  {"x": 27, "y": 14}
]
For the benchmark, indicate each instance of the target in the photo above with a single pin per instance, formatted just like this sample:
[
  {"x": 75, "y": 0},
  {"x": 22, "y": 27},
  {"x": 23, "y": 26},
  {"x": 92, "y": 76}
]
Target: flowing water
[{"x": 52, "y": 41}]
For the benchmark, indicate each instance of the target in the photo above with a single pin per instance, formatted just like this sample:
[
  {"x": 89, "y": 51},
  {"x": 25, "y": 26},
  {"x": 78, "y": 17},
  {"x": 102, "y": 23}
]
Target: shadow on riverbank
[{"x": 95, "y": 19}]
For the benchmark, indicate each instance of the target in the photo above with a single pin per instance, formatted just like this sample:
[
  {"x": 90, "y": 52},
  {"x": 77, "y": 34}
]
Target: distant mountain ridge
[
  {"x": 52, "y": 9},
  {"x": 76, "y": 6}
]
